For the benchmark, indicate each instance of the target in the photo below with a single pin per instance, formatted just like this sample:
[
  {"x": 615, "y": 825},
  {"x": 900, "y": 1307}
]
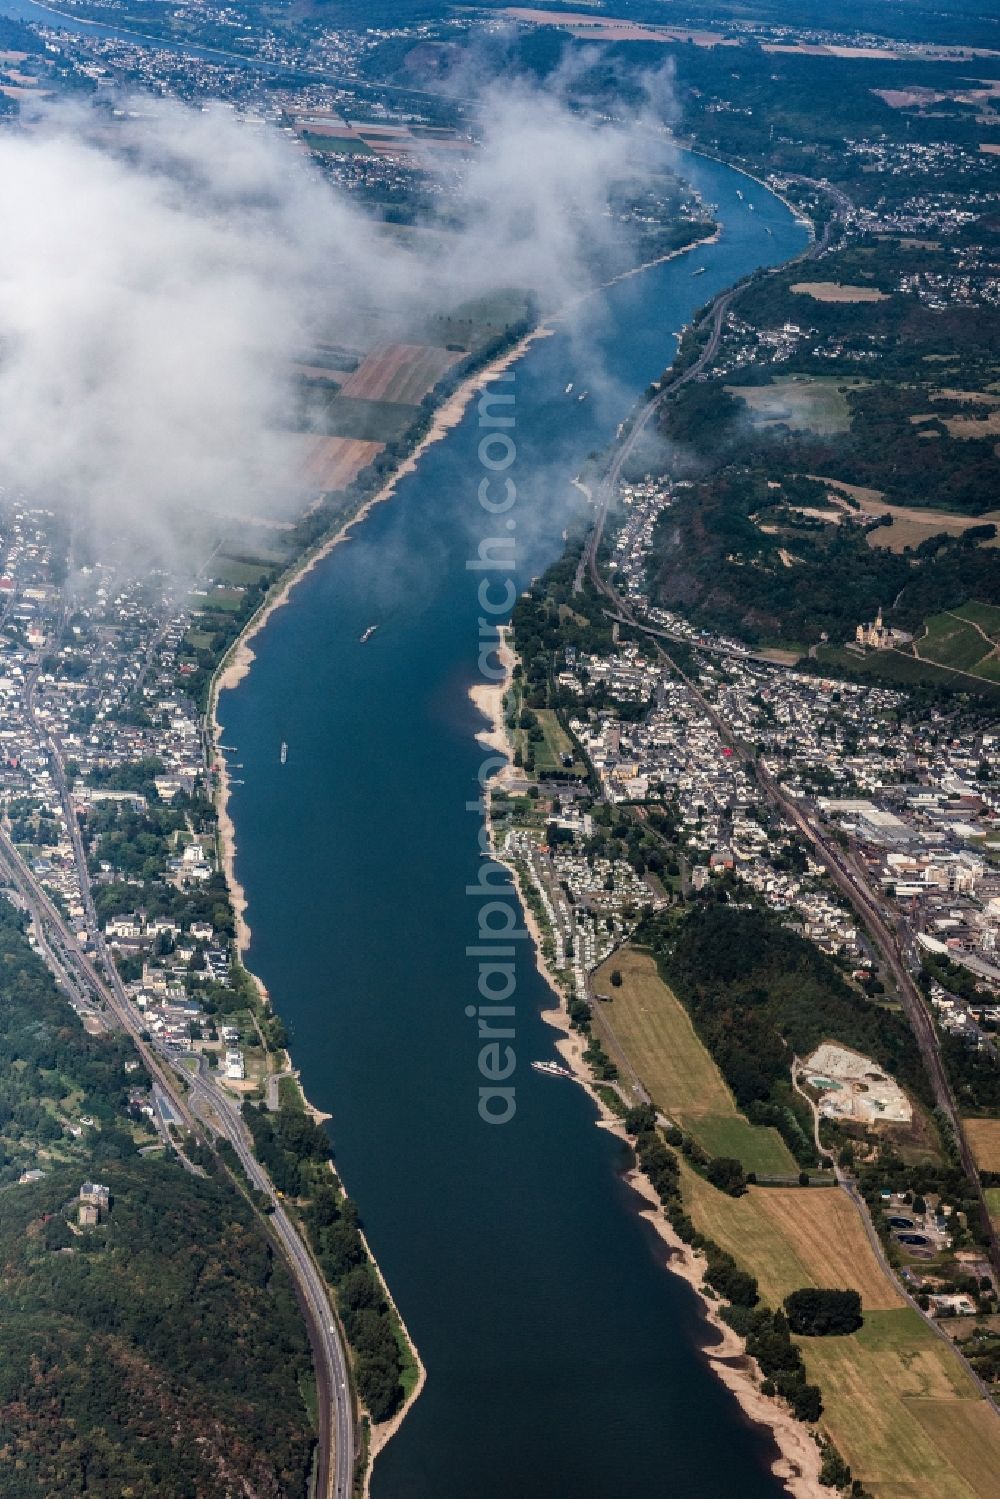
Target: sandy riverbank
[
  {"x": 489, "y": 697},
  {"x": 383, "y": 1433},
  {"x": 798, "y": 1461}
]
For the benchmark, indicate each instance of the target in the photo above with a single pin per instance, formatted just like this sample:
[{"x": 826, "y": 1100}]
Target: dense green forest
[
  {"x": 52, "y": 1072},
  {"x": 296, "y": 1152},
  {"x": 714, "y": 560},
  {"x": 759, "y": 994},
  {"x": 159, "y": 1354}
]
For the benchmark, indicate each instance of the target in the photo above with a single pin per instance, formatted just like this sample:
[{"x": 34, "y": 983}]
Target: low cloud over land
[{"x": 158, "y": 279}]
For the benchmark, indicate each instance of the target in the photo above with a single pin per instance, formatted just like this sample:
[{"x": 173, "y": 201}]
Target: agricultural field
[
  {"x": 902, "y": 1411},
  {"x": 983, "y": 1136},
  {"x": 832, "y": 291},
  {"x": 655, "y": 1031},
  {"x": 906, "y": 670},
  {"x": 912, "y": 525},
  {"x": 898, "y": 1404},
  {"x": 986, "y": 616},
  {"x": 792, "y": 1237},
  {"x": 477, "y": 322},
  {"x": 331, "y": 463},
  {"x": 366, "y": 421},
  {"x": 803, "y": 403},
  {"x": 958, "y": 640},
  {"x": 336, "y": 145},
  {"x": 399, "y": 373},
  {"x": 239, "y": 572}
]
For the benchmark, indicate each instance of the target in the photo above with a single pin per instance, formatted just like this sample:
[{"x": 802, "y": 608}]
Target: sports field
[
  {"x": 655, "y": 1031},
  {"x": 556, "y": 743}
]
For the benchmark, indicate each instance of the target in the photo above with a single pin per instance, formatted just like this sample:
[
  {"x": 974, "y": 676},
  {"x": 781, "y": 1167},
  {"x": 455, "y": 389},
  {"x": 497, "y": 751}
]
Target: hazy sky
[{"x": 155, "y": 286}]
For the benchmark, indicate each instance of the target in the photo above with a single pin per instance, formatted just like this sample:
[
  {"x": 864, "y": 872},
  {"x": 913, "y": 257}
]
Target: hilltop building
[{"x": 878, "y": 636}]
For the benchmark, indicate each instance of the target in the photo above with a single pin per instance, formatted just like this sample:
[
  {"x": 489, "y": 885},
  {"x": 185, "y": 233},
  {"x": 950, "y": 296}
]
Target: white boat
[
  {"x": 284, "y": 752},
  {"x": 739, "y": 195},
  {"x": 568, "y": 388},
  {"x": 552, "y": 1068},
  {"x": 368, "y": 633},
  {"x": 700, "y": 271},
  {"x": 586, "y": 393}
]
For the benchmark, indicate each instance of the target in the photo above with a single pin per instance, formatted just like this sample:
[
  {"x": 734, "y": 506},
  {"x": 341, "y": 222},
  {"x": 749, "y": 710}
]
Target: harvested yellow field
[
  {"x": 897, "y": 1403},
  {"x": 983, "y": 1136},
  {"x": 902, "y": 1411},
  {"x": 987, "y": 425},
  {"x": 792, "y": 1237},
  {"x": 331, "y": 463},
  {"x": 910, "y": 526},
  {"x": 864, "y": 495},
  {"x": 833, "y": 291},
  {"x": 654, "y": 1030}
]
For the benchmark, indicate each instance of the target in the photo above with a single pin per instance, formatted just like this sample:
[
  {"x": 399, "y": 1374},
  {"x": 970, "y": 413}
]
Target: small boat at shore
[
  {"x": 283, "y": 757},
  {"x": 368, "y": 633},
  {"x": 553, "y": 1069}
]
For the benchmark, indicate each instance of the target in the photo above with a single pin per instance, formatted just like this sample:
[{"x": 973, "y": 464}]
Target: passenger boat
[{"x": 553, "y": 1069}]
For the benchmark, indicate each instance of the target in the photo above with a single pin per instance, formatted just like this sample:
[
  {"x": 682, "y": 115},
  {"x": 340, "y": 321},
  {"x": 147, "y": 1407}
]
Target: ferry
[
  {"x": 700, "y": 271},
  {"x": 284, "y": 752},
  {"x": 553, "y": 1069},
  {"x": 368, "y": 633}
]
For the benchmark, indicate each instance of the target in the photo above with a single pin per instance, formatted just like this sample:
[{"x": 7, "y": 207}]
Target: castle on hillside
[{"x": 878, "y": 636}]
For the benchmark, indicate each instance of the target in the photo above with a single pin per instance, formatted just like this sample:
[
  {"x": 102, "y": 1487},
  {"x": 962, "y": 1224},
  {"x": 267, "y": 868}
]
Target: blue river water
[{"x": 562, "y": 1358}]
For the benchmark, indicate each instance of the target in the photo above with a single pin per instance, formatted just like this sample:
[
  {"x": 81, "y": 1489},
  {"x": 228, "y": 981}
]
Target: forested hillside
[{"x": 158, "y": 1353}]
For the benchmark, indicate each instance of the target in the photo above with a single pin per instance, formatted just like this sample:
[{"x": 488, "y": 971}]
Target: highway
[{"x": 218, "y": 1111}]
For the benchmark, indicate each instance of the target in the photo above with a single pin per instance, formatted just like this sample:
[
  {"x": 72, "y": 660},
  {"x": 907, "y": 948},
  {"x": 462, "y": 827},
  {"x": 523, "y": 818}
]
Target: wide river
[{"x": 562, "y": 1357}]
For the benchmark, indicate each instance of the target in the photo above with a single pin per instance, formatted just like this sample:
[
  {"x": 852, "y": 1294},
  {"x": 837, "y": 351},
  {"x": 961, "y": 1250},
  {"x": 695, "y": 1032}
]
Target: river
[{"x": 562, "y": 1357}]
